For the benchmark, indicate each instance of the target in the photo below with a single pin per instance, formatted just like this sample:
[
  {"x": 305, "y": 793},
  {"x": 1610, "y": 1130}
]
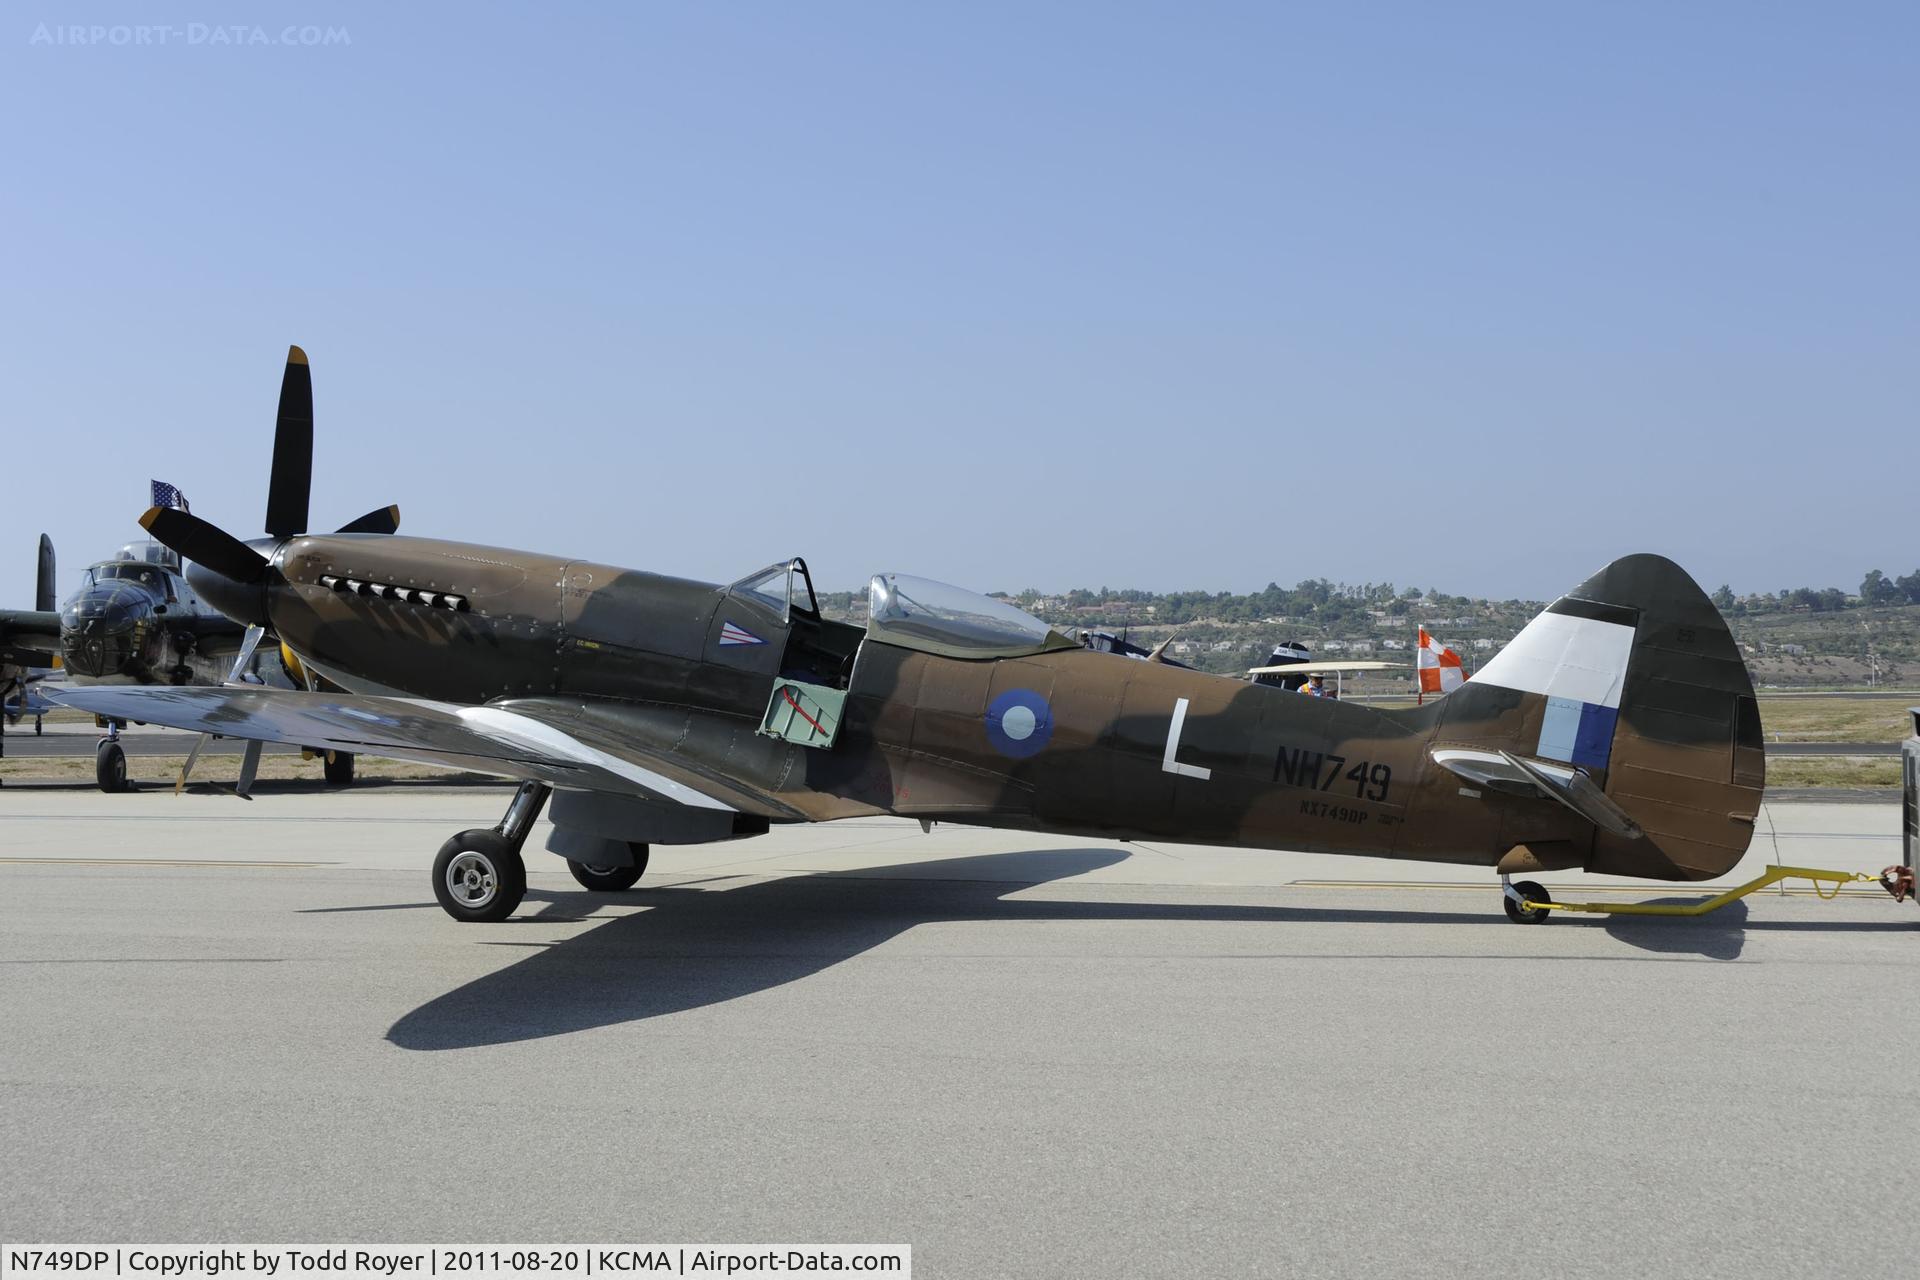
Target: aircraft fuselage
[{"x": 1070, "y": 741}]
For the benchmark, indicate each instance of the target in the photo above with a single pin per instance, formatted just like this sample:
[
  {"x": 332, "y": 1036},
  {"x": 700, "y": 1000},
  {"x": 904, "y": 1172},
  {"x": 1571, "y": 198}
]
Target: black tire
[
  {"x": 110, "y": 767},
  {"x": 1529, "y": 892},
  {"x": 339, "y": 769},
  {"x": 36, "y": 726},
  {"x": 478, "y": 877},
  {"x": 611, "y": 879}
]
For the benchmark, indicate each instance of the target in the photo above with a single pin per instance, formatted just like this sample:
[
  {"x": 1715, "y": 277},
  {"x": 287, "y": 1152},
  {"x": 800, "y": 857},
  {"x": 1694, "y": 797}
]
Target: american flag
[{"x": 165, "y": 495}]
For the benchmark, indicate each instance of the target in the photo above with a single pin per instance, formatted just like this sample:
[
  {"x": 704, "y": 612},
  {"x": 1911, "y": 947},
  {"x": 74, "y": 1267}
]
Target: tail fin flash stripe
[
  {"x": 1559, "y": 655},
  {"x": 1577, "y": 733}
]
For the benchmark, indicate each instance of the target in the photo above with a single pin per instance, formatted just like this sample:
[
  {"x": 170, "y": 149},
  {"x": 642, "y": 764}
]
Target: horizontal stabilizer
[{"x": 1510, "y": 774}]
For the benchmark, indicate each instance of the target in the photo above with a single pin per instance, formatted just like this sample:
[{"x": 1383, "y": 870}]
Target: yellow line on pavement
[{"x": 1678, "y": 886}]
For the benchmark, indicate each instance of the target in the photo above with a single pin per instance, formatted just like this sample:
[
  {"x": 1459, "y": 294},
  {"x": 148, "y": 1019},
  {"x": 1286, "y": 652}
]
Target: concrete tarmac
[{"x": 1026, "y": 1056}]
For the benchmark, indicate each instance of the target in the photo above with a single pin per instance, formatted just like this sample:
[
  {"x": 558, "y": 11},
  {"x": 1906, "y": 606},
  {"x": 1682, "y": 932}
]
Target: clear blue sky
[{"x": 1166, "y": 295}]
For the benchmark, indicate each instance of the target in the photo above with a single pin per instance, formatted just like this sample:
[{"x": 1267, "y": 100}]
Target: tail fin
[
  {"x": 43, "y": 599},
  {"x": 1630, "y": 684}
]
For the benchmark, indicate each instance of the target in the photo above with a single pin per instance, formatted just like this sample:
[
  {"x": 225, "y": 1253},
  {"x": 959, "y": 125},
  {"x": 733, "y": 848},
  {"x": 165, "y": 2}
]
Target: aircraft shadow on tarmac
[
  {"x": 701, "y": 946},
  {"x": 1718, "y": 935},
  {"x": 1722, "y": 934}
]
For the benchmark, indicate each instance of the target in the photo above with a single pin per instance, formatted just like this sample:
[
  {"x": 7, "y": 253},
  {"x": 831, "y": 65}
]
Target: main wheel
[
  {"x": 611, "y": 879},
  {"x": 339, "y": 768},
  {"x": 110, "y": 766},
  {"x": 478, "y": 877},
  {"x": 1529, "y": 892}
]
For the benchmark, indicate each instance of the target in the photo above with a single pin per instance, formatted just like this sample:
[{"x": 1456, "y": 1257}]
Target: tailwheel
[
  {"x": 478, "y": 876},
  {"x": 110, "y": 766},
  {"x": 338, "y": 768},
  {"x": 1514, "y": 897},
  {"x": 611, "y": 879}
]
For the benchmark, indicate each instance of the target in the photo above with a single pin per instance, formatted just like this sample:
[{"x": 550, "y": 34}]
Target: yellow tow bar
[{"x": 1774, "y": 875}]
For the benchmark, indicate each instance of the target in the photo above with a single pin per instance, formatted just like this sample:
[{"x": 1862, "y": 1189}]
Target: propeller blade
[
  {"x": 43, "y": 585},
  {"x": 385, "y": 520},
  {"x": 247, "y": 646},
  {"x": 292, "y": 480},
  {"x": 205, "y": 544}
]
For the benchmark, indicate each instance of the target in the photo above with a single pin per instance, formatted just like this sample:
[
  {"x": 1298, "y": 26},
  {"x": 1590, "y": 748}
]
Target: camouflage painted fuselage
[{"x": 633, "y": 662}]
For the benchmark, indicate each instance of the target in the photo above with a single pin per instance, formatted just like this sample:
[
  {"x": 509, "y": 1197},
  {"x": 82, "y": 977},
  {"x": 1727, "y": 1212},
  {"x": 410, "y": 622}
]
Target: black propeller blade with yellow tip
[
  {"x": 385, "y": 520},
  {"x": 291, "y": 481},
  {"x": 205, "y": 543},
  {"x": 289, "y": 487}
]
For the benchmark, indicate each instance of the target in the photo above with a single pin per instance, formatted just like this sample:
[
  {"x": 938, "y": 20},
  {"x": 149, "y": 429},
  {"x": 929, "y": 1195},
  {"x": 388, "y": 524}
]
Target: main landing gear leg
[{"x": 478, "y": 876}]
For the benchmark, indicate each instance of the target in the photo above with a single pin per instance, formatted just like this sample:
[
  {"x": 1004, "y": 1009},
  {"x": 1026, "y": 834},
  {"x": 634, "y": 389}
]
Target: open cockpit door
[{"x": 776, "y": 612}]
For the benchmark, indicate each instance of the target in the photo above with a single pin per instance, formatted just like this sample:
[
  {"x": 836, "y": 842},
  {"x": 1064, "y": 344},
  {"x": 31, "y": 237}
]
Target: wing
[
  {"x": 508, "y": 742},
  {"x": 29, "y": 637}
]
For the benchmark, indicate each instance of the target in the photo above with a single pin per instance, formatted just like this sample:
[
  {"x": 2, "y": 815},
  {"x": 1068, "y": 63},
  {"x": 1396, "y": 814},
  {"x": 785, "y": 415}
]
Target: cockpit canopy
[
  {"x": 150, "y": 553},
  {"x": 146, "y": 575},
  {"x": 919, "y": 613},
  {"x": 782, "y": 587}
]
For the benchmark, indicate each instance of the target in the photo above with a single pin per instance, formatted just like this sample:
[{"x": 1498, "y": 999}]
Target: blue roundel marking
[{"x": 1019, "y": 722}]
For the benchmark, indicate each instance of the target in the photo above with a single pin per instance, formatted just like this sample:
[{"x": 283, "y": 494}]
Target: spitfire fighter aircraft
[
  {"x": 1618, "y": 733},
  {"x": 137, "y": 620}
]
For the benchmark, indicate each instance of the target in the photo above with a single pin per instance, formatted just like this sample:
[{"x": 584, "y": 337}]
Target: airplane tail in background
[
  {"x": 43, "y": 597},
  {"x": 1628, "y": 702}
]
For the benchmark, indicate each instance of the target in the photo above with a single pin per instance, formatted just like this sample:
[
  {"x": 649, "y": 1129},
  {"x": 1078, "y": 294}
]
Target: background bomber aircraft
[
  {"x": 1618, "y": 733},
  {"x": 136, "y": 619}
]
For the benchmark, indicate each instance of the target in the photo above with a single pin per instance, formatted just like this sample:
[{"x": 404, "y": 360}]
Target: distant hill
[{"x": 1803, "y": 637}]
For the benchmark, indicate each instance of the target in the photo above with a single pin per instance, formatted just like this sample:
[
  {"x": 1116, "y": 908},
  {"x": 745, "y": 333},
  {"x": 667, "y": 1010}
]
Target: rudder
[{"x": 1634, "y": 679}]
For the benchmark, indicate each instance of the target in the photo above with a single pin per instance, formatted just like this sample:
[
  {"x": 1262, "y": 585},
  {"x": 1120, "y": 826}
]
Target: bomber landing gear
[
  {"x": 478, "y": 875},
  {"x": 110, "y": 761},
  {"x": 612, "y": 879},
  {"x": 1515, "y": 897},
  {"x": 338, "y": 768}
]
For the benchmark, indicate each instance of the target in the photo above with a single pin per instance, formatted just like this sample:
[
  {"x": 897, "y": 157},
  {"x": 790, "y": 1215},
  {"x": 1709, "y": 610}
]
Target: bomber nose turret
[{"x": 108, "y": 631}]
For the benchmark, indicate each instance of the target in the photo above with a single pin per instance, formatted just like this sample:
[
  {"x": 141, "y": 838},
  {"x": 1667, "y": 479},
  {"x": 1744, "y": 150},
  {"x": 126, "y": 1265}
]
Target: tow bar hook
[{"x": 1898, "y": 881}]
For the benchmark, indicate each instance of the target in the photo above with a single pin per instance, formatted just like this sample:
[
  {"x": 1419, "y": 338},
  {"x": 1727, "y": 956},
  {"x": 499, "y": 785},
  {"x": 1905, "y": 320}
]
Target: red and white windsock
[{"x": 1440, "y": 669}]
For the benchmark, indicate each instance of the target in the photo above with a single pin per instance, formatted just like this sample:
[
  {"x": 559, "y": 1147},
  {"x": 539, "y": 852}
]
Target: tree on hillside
[
  {"x": 1723, "y": 598},
  {"x": 1877, "y": 588}
]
